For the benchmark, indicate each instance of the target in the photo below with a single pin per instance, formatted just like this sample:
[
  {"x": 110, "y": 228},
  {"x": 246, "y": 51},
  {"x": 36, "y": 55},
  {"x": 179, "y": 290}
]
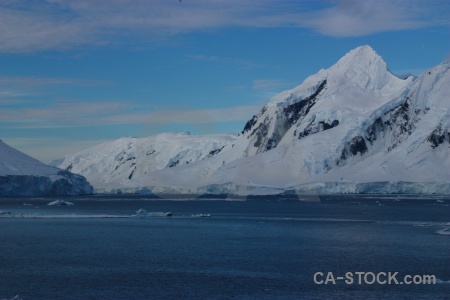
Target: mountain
[
  {"x": 113, "y": 165},
  {"x": 22, "y": 175},
  {"x": 352, "y": 128}
]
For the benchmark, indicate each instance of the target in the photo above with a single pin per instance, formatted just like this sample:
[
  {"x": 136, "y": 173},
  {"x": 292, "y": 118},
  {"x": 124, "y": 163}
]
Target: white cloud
[
  {"x": 62, "y": 24},
  {"x": 357, "y": 18}
]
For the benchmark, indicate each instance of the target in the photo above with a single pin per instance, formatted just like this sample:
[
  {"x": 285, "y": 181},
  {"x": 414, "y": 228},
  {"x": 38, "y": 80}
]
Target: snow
[
  {"x": 128, "y": 160},
  {"x": 22, "y": 175},
  {"x": 13, "y": 162},
  {"x": 351, "y": 128}
]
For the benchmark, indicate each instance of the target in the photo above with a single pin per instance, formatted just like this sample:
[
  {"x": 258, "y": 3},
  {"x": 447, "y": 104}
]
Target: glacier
[
  {"x": 352, "y": 128},
  {"x": 22, "y": 175}
]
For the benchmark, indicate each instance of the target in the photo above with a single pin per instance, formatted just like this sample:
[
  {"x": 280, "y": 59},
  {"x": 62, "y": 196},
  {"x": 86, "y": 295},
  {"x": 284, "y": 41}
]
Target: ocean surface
[{"x": 220, "y": 249}]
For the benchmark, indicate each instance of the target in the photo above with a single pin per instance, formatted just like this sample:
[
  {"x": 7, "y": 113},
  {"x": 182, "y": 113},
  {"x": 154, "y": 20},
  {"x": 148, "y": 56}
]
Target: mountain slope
[
  {"x": 130, "y": 160},
  {"x": 23, "y": 175},
  {"x": 356, "y": 85},
  {"x": 354, "y": 127}
]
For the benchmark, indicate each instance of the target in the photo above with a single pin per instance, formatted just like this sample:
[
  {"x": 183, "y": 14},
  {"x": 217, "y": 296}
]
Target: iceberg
[
  {"x": 60, "y": 203},
  {"x": 142, "y": 213},
  {"x": 5, "y": 213},
  {"x": 445, "y": 231},
  {"x": 22, "y": 175},
  {"x": 201, "y": 215},
  {"x": 440, "y": 281}
]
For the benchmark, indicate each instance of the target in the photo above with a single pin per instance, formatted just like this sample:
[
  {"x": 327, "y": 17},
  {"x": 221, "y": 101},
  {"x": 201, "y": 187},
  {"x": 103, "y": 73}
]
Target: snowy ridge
[
  {"x": 22, "y": 175},
  {"x": 352, "y": 128},
  {"x": 128, "y": 160},
  {"x": 356, "y": 85}
]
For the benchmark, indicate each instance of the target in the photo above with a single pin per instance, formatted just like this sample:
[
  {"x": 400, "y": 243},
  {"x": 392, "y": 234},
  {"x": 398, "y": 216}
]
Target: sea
[{"x": 135, "y": 247}]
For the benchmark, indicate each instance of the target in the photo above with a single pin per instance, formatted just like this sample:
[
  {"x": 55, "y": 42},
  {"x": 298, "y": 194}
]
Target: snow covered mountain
[
  {"x": 22, "y": 175},
  {"x": 354, "y": 127},
  {"x": 129, "y": 159}
]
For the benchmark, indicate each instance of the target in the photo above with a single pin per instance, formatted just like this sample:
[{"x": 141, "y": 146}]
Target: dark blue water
[{"x": 245, "y": 250}]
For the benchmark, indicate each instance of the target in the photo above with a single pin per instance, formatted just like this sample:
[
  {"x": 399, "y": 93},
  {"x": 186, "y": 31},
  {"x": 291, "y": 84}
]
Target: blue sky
[{"x": 77, "y": 73}]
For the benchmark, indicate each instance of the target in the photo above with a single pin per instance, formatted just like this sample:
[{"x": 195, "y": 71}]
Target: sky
[{"x": 74, "y": 74}]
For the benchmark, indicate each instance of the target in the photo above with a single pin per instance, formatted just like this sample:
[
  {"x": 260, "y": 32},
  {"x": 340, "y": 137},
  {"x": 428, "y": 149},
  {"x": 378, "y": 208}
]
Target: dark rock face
[
  {"x": 392, "y": 127},
  {"x": 353, "y": 147},
  {"x": 317, "y": 127},
  {"x": 284, "y": 119},
  {"x": 358, "y": 145},
  {"x": 121, "y": 160},
  {"x": 174, "y": 163},
  {"x": 439, "y": 136},
  {"x": 399, "y": 122},
  {"x": 261, "y": 132},
  {"x": 301, "y": 108},
  {"x": 28, "y": 185},
  {"x": 131, "y": 174},
  {"x": 214, "y": 152},
  {"x": 250, "y": 123}
]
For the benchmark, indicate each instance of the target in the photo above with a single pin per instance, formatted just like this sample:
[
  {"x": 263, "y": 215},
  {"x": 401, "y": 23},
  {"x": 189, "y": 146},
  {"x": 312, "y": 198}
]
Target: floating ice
[
  {"x": 16, "y": 297},
  {"x": 201, "y": 216},
  {"x": 442, "y": 281},
  {"x": 142, "y": 213},
  {"x": 445, "y": 231},
  {"x": 60, "y": 203}
]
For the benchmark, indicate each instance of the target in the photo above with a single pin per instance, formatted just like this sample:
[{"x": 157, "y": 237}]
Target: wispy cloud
[
  {"x": 78, "y": 114},
  {"x": 15, "y": 90},
  {"x": 63, "y": 113},
  {"x": 8, "y": 81},
  {"x": 186, "y": 115},
  {"x": 81, "y": 114},
  {"x": 63, "y": 24},
  {"x": 262, "y": 84}
]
